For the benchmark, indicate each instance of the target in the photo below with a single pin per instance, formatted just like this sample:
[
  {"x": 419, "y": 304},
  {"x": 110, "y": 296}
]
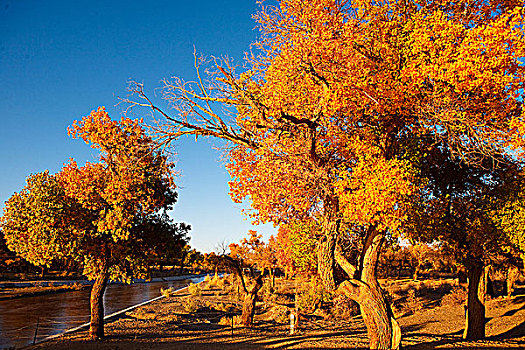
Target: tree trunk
[
  {"x": 96, "y": 326},
  {"x": 248, "y": 306},
  {"x": 42, "y": 271},
  {"x": 325, "y": 254},
  {"x": 415, "y": 276},
  {"x": 181, "y": 267},
  {"x": 383, "y": 330},
  {"x": 512, "y": 277},
  {"x": 475, "y": 312}
]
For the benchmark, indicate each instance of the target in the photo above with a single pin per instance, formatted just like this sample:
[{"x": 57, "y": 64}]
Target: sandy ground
[{"x": 165, "y": 324}]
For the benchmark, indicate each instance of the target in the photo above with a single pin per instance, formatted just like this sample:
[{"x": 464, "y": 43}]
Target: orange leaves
[
  {"x": 468, "y": 63},
  {"x": 254, "y": 252},
  {"x": 376, "y": 192},
  {"x": 102, "y": 213},
  {"x": 130, "y": 180}
]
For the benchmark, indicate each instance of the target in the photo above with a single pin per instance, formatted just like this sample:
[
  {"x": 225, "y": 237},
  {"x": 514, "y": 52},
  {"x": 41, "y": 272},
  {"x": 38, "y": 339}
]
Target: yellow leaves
[{"x": 375, "y": 192}]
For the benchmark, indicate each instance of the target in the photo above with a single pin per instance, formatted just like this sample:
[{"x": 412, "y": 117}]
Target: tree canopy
[
  {"x": 108, "y": 215},
  {"x": 337, "y": 108}
]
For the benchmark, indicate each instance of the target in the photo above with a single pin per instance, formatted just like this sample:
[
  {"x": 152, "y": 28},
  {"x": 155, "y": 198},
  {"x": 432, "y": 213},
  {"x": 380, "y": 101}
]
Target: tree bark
[
  {"x": 248, "y": 306},
  {"x": 475, "y": 312},
  {"x": 96, "y": 326},
  {"x": 512, "y": 277},
  {"x": 326, "y": 254},
  {"x": 415, "y": 275},
  {"x": 340, "y": 259},
  {"x": 383, "y": 330}
]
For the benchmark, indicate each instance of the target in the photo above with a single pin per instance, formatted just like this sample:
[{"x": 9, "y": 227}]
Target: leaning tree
[{"x": 324, "y": 122}]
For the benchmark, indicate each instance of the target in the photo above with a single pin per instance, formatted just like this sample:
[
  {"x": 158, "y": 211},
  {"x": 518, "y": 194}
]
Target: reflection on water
[{"x": 55, "y": 313}]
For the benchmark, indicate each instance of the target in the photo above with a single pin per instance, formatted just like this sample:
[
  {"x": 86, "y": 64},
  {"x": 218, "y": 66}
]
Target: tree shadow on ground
[{"x": 517, "y": 331}]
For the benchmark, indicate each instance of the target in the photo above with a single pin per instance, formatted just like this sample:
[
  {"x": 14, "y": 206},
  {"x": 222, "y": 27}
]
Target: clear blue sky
[{"x": 61, "y": 59}]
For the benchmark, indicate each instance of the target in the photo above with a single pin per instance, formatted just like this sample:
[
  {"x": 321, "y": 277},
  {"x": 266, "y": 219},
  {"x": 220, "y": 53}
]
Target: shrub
[
  {"x": 207, "y": 282},
  {"x": 412, "y": 301},
  {"x": 220, "y": 282},
  {"x": 222, "y": 307},
  {"x": 267, "y": 292},
  {"x": 227, "y": 320},
  {"x": 457, "y": 296},
  {"x": 312, "y": 296},
  {"x": 190, "y": 305},
  {"x": 280, "y": 314},
  {"x": 195, "y": 289},
  {"x": 166, "y": 292}
]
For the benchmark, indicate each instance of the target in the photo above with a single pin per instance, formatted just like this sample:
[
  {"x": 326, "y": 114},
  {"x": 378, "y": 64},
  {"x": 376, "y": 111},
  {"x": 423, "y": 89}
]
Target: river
[{"x": 58, "y": 312}]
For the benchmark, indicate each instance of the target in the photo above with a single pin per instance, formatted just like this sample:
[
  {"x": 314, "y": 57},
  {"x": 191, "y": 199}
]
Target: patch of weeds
[
  {"x": 412, "y": 301},
  {"x": 227, "y": 321},
  {"x": 457, "y": 296},
  {"x": 166, "y": 292},
  {"x": 312, "y": 296},
  {"x": 222, "y": 307},
  {"x": 141, "y": 314},
  {"x": 195, "y": 289},
  {"x": 169, "y": 318},
  {"x": 190, "y": 305}
]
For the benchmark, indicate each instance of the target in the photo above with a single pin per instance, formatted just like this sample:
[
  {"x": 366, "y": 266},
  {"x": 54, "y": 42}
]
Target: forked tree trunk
[
  {"x": 383, "y": 330},
  {"x": 96, "y": 326},
  {"x": 475, "y": 312},
  {"x": 248, "y": 306}
]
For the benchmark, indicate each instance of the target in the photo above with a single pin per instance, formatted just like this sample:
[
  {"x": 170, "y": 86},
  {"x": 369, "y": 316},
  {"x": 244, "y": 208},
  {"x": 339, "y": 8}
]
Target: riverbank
[
  {"x": 14, "y": 293},
  {"x": 192, "y": 321},
  {"x": 21, "y": 289}
]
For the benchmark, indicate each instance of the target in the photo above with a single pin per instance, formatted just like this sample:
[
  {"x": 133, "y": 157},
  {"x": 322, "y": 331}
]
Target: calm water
[{"x": 58, "y": 312}]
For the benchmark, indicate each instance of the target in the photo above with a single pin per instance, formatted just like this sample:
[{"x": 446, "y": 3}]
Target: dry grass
[{"x": 43, "y": 288}]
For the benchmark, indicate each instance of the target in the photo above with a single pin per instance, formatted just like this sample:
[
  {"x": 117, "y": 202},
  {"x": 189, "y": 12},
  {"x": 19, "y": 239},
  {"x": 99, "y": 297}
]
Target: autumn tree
[
  {"x": 459, "y": 213},
  {"x": 296, "y": 248},
  {"x": 327, "y": 118},
  {"x": 174, "y": 239},
  {"x": 105, "y": 215},
  {"x": 250, "y": 260}
]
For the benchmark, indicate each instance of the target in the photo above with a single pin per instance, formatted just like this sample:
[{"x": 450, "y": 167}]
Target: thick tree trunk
[
  {"x": 325, "y": 254},
  {"x": 96, "y": 326},
  {"x": 475, "y": 312},
  {"x": 383, "y": 330},
  {"x": 248, "y": 306}
]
